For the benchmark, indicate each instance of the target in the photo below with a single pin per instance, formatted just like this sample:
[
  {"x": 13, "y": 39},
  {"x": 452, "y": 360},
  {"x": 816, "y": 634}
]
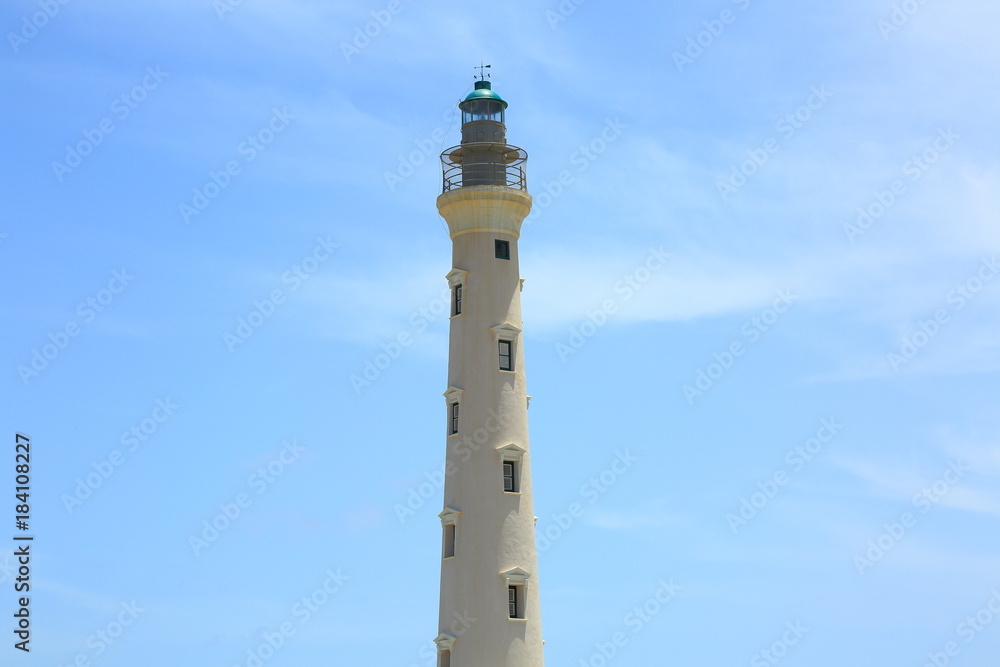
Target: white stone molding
[
  {"x": 506, "y": 331},
  {"x": 456, "y": 277},
  {"x": 453, "y": 395},
  {"x": 512, "y": 452},
  {"x": 516, "y": 576},
  {"x": 449, "y": 516}
]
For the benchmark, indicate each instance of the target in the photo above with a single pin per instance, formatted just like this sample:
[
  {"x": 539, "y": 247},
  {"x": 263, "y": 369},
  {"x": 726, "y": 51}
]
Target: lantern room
[
  {"x": 483, "y": 116},
  {"x": 484, "y": 157},
  {"x": 482, "y": 104}
]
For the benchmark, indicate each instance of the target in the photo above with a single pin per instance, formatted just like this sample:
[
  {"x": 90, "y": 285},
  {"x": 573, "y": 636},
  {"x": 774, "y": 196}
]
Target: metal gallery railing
[{"x": 484, "y": 164}]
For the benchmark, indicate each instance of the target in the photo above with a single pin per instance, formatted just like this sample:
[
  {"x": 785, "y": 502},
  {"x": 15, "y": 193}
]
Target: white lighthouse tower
[{"x": 490, "y": 614}]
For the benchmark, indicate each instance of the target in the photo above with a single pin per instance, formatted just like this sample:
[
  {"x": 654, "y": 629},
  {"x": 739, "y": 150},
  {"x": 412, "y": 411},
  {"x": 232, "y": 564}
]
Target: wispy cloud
[
  {"x": 652, "y": 516},
  {"x": 963, "y": 477}
]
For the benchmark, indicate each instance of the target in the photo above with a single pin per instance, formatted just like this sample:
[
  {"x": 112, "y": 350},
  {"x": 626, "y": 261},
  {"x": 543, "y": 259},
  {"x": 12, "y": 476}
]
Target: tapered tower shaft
[{"x": 490, "y": 614}]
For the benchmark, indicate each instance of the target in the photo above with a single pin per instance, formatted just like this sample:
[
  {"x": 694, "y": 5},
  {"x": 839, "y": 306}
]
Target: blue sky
[{"x": 218, "y": 214}]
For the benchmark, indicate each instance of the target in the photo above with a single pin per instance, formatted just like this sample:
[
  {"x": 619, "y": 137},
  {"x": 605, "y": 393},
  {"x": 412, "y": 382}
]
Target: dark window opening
[
  {"x": 502, "y": 249},
  {"x": 515, "y": 602},
  {"x": 506, "y": 355},
  {"x": 457, "y": 308},
  {"x": 454, "y": 418},
  {"x": 508, "y": 477},
  {"x": 449, "y": 540}
]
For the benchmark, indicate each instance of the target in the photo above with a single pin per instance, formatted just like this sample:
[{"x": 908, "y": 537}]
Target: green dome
[{"x": 483, "y": 91}]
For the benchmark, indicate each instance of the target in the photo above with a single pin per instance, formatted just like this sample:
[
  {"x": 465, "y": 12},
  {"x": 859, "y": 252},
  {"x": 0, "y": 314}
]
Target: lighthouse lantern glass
[{"x": 482, "y": 110}]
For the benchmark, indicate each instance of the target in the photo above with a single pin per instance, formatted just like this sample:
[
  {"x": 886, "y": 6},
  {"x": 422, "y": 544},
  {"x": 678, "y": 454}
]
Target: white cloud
[{"x": 963, "y": 476}]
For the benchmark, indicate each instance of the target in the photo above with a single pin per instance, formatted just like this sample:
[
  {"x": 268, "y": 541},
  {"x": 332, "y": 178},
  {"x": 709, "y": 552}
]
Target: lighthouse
[{"x": 490, "y": 614}]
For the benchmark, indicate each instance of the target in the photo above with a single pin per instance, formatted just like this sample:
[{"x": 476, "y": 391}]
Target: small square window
[
  {"x": 454, "y": 418},
  {"x": 502, "y": 249},
  {"x": 457, "y": 305},
  {"x": 506, "y": 355}
]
